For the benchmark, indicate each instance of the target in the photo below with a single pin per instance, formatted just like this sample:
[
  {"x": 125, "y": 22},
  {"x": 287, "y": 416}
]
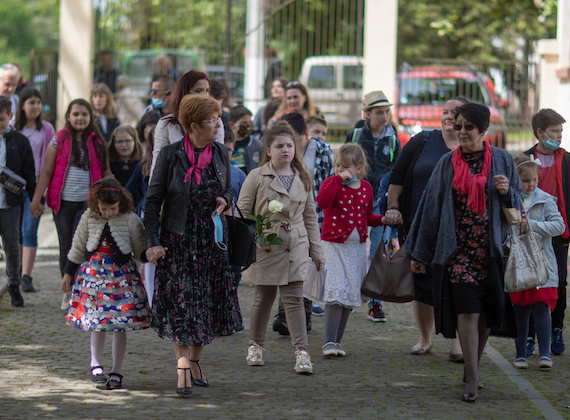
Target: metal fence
[
  {"x": 44, "y": 78},
  {"x": 320, "y": 43}
]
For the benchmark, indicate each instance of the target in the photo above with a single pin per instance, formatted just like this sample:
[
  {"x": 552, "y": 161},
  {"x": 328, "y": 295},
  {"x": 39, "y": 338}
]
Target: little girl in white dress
[{"x": 347, "y": 202}]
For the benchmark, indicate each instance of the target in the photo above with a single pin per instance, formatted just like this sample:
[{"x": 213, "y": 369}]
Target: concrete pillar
[
  {"x": 547, "y": 50},
  {"x": 76, "y": 24},
  {"x": 254, "y": 56},
  {"x": 380, "y": 40},
  {"x": 563, "y": 70}
]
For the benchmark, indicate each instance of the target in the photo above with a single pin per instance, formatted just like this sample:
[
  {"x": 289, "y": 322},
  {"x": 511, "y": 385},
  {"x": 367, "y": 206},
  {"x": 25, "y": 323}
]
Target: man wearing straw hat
[{"x": 379, "y": 140}]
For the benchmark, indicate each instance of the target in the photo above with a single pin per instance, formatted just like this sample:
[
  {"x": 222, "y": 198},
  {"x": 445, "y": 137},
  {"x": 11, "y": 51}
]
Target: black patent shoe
[
  {"x": 185, "y": 390},
  {"x": 113, "y": 382},
  {"x": 16, "y": 298},
  {"x": 202, "y": 381},
  {"x": 99, "y": 378}
]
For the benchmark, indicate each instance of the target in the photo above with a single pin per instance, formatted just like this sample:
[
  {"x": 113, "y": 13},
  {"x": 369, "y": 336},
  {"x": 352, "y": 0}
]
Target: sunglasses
[
  {"x": 468, "y": 127},
  {"x": 155, "y": 91},
  {"x": 293, "y": 84}
]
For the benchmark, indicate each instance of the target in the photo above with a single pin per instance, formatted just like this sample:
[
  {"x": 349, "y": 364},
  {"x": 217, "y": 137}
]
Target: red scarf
[
  {"x": 204, "y": 159},
  {"x": 472, "y": 186}
]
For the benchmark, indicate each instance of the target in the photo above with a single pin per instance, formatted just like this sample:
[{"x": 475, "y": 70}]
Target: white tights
[{"x": 119, "y": 348}]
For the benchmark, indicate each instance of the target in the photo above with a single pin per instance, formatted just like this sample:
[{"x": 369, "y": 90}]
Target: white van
[{"x": 335, "y": 85}]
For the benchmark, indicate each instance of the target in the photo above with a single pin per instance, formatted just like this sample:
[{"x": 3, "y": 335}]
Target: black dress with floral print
[
  {"x": 195, "y": 299},
  {"x": 471, "y": 261}
]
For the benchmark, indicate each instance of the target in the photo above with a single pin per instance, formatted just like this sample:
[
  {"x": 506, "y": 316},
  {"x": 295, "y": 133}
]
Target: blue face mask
[
  {"x": 533, "y": 193},
  {"x": 350, "y": 181},
  {"x": 550, "y": 143},
  {"x": 157, "y": 102},
  {"x": 219, "y": 232}
]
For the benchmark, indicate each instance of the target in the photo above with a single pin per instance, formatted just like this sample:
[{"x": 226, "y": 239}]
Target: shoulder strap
[
  {"x": 392, "y": 145},
  {"x": 356, "y": 135}
]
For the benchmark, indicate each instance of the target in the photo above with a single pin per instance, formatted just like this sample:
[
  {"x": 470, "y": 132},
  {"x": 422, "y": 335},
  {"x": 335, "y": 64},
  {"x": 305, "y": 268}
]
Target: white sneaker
[
  {"x": 65, "y": 301},
  {"x": 303, "y": 364},
  {"x": 254, "y": 355}
]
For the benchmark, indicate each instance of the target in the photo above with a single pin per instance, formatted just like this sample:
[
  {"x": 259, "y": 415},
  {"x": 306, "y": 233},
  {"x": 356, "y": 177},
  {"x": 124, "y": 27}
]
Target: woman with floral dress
[
  {"x": 194, "y": 297},
  {"x": 458, "y": 227}
]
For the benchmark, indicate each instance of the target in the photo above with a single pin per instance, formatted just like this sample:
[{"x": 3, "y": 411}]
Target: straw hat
[{"x": 374, "y": 99}]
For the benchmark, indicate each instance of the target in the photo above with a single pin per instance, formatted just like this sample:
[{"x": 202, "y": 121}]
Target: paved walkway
[{"x": 44, "y": 368}]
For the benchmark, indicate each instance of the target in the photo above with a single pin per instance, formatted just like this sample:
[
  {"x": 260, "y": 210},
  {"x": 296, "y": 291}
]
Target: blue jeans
[
  {"x": 375, "y": 238},
  {"x": 29, "y": 225}
]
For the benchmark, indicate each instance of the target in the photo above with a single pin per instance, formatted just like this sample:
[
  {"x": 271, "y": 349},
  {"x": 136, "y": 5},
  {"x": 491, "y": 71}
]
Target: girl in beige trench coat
[{"x": 282, "y": 177}]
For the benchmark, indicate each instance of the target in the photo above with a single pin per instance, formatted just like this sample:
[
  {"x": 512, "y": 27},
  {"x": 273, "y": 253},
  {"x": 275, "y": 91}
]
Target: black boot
[
  {"x": 280, "y": 324},
  {"x": 15, "y": 295}
]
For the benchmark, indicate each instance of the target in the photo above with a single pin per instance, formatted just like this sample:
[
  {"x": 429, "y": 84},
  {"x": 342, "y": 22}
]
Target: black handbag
[{"x": 242, "y": 240}]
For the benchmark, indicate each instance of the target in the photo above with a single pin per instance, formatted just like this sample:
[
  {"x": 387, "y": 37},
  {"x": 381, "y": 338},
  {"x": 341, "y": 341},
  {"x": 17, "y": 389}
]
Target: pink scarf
[
  {"x": 473, "y": 186},
  {"x": 204, "y": 159}
]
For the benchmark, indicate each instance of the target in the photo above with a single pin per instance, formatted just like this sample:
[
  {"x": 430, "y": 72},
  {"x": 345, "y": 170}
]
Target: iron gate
[{"x": 44, "y": 78}]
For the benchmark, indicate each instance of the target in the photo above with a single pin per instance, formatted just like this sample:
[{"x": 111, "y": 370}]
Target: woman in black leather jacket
[{"x": 194, "y": 299}]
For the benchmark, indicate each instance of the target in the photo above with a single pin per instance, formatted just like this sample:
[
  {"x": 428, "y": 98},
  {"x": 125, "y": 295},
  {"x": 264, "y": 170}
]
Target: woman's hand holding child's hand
[
  {"x": 154, "y": 253},
  {"x": 66, "y": 283}
]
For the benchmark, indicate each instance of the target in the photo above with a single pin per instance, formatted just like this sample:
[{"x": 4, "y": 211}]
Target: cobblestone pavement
[{"x": 44, "y": 368}]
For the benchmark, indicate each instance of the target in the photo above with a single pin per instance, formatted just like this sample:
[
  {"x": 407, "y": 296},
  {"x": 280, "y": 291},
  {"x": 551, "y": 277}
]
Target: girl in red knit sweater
[{"x": 347, "y": 202}]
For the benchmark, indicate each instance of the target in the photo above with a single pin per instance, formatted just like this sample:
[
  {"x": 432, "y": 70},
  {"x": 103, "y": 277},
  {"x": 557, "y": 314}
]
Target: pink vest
[{"x": 62, "y": 162}]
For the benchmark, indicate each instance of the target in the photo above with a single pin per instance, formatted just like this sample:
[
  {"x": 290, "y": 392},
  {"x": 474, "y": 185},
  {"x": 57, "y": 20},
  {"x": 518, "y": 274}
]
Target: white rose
[{"x": 275, "y": 206}]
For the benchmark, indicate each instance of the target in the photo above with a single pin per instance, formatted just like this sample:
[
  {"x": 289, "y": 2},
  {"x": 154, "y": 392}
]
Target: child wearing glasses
[{"x": 125, "y": 152}]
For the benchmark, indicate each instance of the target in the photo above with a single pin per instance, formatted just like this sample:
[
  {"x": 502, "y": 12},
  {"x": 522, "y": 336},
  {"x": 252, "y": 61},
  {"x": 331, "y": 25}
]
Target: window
[
  {"x": 438, "y": 91},
  {"x": 352, "y": 77},
  {"x": 322, "y": 77}
]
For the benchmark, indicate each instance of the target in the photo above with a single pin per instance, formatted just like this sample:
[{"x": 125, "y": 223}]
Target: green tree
[{"x": 495, "y": 29}]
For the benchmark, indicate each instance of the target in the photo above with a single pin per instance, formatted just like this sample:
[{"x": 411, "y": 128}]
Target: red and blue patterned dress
[{"x": 106, "y": 296}]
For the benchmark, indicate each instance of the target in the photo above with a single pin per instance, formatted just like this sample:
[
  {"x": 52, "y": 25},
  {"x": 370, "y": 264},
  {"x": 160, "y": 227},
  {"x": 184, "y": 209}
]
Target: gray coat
[
  {"x": 433, "y": 239},
  {"x": 545, "y": 219}
]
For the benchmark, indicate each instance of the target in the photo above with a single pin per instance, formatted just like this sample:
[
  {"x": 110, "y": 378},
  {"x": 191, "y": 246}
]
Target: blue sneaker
[
  {"x": 557, "y": 344},
  {"x": 529, "y": 347},
  {"x": 318, "y": 311}
]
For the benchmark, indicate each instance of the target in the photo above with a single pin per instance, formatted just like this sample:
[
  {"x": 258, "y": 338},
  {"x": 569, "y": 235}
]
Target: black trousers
[{"x": 66, "y": 221}]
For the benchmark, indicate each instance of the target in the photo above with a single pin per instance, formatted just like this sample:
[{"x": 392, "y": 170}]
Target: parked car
[
  {"x": 236, "y": 82},
  {"x": 335, "y": 85},
  {"x": 423, "y": 90}
]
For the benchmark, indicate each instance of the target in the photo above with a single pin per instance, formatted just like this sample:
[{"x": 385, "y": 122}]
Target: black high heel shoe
[
  {"x": 185, "y": 390},
  {"x": 202, "y": 381},
  {"x": 479, "y": 384}
]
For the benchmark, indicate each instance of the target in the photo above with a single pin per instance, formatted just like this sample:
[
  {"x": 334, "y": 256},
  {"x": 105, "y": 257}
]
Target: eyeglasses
[
  {"x": 155, "y": 91},
  {"x": 213, "y": 120},
  {"x": 124, "y": 142},
  {"x": 468, "y": 127}
]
